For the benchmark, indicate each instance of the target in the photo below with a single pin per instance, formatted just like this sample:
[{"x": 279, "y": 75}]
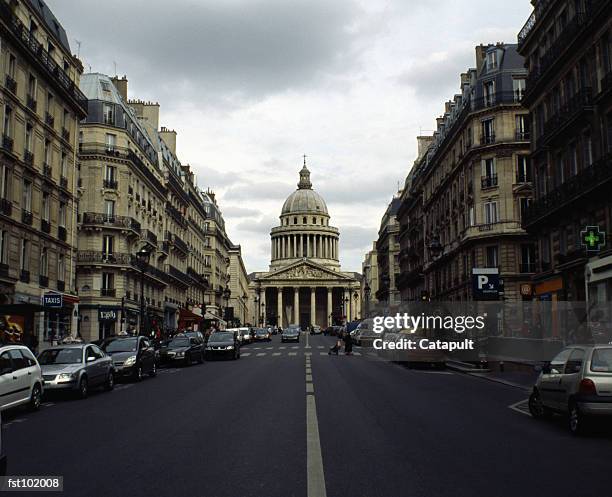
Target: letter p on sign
[{"x": 482, "y": 281}]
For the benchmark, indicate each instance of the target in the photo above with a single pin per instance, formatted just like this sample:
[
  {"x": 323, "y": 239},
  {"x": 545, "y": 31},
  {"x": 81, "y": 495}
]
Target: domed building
[{"x": 305, "y": 284}]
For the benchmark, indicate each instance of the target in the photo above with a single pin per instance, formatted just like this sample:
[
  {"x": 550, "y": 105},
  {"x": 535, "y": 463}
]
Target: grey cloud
[
  {"x": 215, "y": 178},
  {"x": 240, "y": 212},
  {"x": 272, "y": 190},
  {"x": 237, "y": 48},
  {"x": 356, "y": 237},
  {"x": 260, "y": 227}
]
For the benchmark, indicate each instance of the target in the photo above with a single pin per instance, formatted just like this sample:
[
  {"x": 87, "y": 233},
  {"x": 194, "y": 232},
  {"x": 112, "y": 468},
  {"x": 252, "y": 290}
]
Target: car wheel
[
  {"x": 83, "y": 391},
  {"x": 238, "y": 354},
  {"x": 138, "y": 373},
  {"x": 153, "y": 371},
  {"x": 577, "y": 421},
  {"x": 110, "y": 382},
  {"x": 536, "y": 407},
  {"x": 35, "y": 398}
]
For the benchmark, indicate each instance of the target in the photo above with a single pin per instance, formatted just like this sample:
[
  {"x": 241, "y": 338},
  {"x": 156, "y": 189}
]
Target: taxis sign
[{"x": 53, "y": 300}]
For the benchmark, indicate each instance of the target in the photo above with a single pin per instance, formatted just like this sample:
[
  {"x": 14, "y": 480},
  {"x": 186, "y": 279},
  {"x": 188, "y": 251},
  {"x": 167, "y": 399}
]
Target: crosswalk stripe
[
  {"x": 295, "y": 347},
  {"x": 282, "y": 348},
  {"x": 259, "y": 354},
  {"x": 356, "y": 353},
  {"x": 245, "y": 354},
  {"x": 269, "y": 348},
  {"x": 276, "y": 353},
  {"x": 322, "y": 353},
  {"x": 292, "y": 353},
  {"x": 320, "y": 347}
]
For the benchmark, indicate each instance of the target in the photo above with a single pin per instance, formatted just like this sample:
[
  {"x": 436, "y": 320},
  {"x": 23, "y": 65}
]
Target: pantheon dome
[{"x": 304, "y": 231}]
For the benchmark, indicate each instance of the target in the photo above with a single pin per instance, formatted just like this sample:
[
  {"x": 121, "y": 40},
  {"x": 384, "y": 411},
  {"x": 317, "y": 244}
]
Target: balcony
[
  {"x": 31, "y": 103},
  {"x": 45, "y": 226},
  {"x": 181, "y": 246},
  {"x": 106, "y": 220},
  {"x": 101, "y": 257},
  {"x": 47, "y": 171},
  {"x": 55, "y": 75},
  {"x": 522, "y": 136},
  {"x": 63, "y": 182},
  {"x": 487, "y": 139},
  {"x": 176, "y": 215},
  {"x": 7, "y": 143},
  {"x": 10, "y": 84},
  {"x": 61, "y": 233},
  {"x": 49, "y": 119},
  {"x": 27, "y": 217},
  {"x": 110, "y": 184},
  {"x": 66, "y": 134},
  {"x": 28, "y": 158},
  {"x": 179, "y": 278},
  {"x": 24, "y": 276},
  {"x": 492, "y": 229},
  {"x": 574, "y": 189},
  {"x": 495, "y": 99},
  {"x": 149, "y": 236},
  {"x": 108, "y": 292},
  {"x": 61, "y": 285},
  {"x": 570, "y": 112},
  {"x": 488, "y": 181},
  {"x": 6, "y": 207},
  {"x": 43, "y": 281},
  {"x": 527, "y": 267}
]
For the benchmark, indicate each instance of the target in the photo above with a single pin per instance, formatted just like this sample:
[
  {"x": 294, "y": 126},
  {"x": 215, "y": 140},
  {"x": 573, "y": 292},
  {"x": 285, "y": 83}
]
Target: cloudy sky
[{"x": 252, "y": 85}]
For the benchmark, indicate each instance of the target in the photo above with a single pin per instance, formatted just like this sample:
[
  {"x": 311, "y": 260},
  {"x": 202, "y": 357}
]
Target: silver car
[
  {"x": 77, "y": 368},
  {"x": 578, "y": 383}
]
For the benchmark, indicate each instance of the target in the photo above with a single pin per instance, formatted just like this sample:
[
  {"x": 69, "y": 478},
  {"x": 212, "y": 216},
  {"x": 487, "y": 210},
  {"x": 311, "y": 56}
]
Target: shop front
[
  {"x": 190, "y": 319},
  {"x": 60, "y": 317}
]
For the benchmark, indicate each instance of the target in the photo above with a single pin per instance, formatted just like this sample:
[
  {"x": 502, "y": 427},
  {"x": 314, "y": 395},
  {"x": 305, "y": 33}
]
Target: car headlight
[
  {"x": 180, "y": 354},
  {"x": 208, "y": 347},
  {"x": 229, "y": 347},
  {"x": 130, "y": 361},
  {"x": 65, "y": 376}
]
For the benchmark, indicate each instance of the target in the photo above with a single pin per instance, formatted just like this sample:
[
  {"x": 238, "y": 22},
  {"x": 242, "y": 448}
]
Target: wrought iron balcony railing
[
  {"x": 125, "y": 222},
  {"x": 10, "y": 84},
  {"x": 489, "y": 181}
]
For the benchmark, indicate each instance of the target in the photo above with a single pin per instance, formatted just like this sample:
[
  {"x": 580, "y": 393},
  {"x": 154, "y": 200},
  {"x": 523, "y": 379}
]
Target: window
[
  {"x": 609, "y": 131},
  {"x": 12, "y": 63},
  {"x": 573, "y": 159},
  {"x": 3, "y": 247},
  {"x": 490, "y": 212},
  {"x": 64, "y": 165},
  {"x": 522, "y": 127},
  {"x": 528, "y": 258},
  {"x": 46, "y": 206},
  {"x": 574, "y": 364},
  {"x": 304, "y": 220},
  {"x": 562, "y": 241},
  {"x": 44, "y": 261},
  {"x": 8, "y": 119},
  {"x": 24, "y": 255},
  {"x": 109, "y": 208},
  {"x": 489, "y": 93},
  {"x": 492, "y": 60},
  {"x": 62, "y": 214},
  {"x": 587, "y": 150},
  {"x": 107, "y": 245},
  {"x": 4, "y": 181},
  {"x": 48, "y": 152},
  {"x": 61, "y": 267},
  {"x": 19, "y": 362},
  {"x": 32, "y": 87},
  {"x": 109, "y": 114},
  {"x": 49, "y": 105},
  {"x": 66, "y": 120},
  {"x": 518, "y": 88},
  {"x": 110, "y": 142},
  {"x": 110, "y": 173},
  {"x": 492, "y": 260},
  {"x": 523, "y": 169},
  {"x": 545, "y": 250},
  {"x": 488, "y": 133},
  {"x": 559, "y": 170},
  {"x": 26, "y": 201},
  {"x": 108, "y": 281},
  {"x": 295, "y": 220}
]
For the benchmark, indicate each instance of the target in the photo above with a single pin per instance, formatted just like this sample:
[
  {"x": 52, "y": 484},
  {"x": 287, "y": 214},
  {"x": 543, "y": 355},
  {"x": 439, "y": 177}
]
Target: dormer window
[{"x": 492, "y": 60}]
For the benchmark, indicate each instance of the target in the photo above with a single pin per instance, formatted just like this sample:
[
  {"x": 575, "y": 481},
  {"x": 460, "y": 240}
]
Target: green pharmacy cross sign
[{"x": 593, "y": 239}]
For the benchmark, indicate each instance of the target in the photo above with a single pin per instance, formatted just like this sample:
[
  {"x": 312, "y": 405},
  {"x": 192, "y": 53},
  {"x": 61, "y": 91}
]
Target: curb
[
  {"x": 465, "y": 367},
  {"x": 499, "y": 380}
]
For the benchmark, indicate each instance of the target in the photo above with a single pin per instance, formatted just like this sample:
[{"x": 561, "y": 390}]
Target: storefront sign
[
  {"x": 52, "y": 300},
  {"x": 593, "y": 239},
  {"x": 526, "y": 290},
  {"x": 486, "y": 283},
  {"x": 106, "y": 314}
]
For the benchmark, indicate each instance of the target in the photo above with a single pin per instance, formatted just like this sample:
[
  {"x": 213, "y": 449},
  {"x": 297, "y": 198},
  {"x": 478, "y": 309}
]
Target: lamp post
[
  {"x": 367, "y": 290},
  {"x": 263, "y": 314},
  {"x": 226, "y": 295},
  {"x": 355, "y": 297},
  {"x": 143, "y": 257},
  {"x": 435, "y": 249},
  {"x": 345, "y": 302}
]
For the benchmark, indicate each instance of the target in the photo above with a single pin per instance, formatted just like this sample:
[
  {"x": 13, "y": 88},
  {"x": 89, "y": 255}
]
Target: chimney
[
  {"x": 148, "y": 112},
  {"x": 122, "y": 86},
  {"x": 481, "y": 51},
  {"x": 169, "y": 137},
  {"x": 423, "y": 143}
]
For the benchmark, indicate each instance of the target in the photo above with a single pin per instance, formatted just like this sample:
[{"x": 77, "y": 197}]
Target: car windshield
[
  {"x": 221, "y": 337},
  {"x": 122, "y": 345},
  {"x": 179, "y": 342},
  {"x": 602, "y": 361},
  {"x": 262, "y": 332},
  {"x": 61, "y": 356}
]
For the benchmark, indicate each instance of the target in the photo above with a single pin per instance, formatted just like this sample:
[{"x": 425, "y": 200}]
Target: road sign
[
  {"x": 593, "y": 239},
  {"x": 53, "y": 300},
  {"x": 486, "y": 284}
]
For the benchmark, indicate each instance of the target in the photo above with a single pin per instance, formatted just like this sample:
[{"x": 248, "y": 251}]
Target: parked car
[
  {"x": 223, "y": 344},
  {"x": 262, "y": 335},
  {"x": 578, "y": 383},
  {"x": 182, "y": 349},
  {"x": 76, "y": 368},
  {"x": 316, "y": 330},
  {"x": 194, "y": 334},
  {"x": 21, "y": 380},
  {"x": 291, "y": 334},
  {"x": 245, "y": 333},
  {"x": 133, "y": 357}
]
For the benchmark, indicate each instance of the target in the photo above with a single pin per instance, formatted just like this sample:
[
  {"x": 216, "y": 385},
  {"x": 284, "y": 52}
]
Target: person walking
[
  {"x": 336, "y": 348},
  {"x": 348, "y": 343}
]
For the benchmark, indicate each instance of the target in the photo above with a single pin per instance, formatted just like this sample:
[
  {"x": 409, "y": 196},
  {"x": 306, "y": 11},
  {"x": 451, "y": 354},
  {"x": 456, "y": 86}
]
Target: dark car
[
  {"x": 132, "y": 356},
  {"x": 182, "y": 349},
  {"x": 262, "y": 335},
  {"x": 194, "y": 334},
  {"x": 291, "y": 334},
  {"x": 223, "y": 344}
]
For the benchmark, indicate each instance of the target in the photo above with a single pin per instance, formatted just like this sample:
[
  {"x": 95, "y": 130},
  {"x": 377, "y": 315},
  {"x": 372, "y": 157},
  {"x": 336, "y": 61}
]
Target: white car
[
  {"x": 245, "y": 333},
  {"x": 21, "y": 380}
]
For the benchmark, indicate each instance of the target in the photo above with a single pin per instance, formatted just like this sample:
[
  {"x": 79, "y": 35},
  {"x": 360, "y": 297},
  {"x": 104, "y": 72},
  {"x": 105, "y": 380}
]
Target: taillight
[{"x": 587, "y": 387}]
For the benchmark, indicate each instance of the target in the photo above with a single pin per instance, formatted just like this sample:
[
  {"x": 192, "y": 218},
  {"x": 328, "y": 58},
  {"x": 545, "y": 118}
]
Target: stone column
[
  {"x": 313, "y": 306},
  {"x": 296, "y": 305},
  {"x": 295, "y": 246},
  {"x": 329, "y": 306},
  {"x": 262, "y": 307},
  {"x": 279, "y": 307},
  {"x": 301, "y": 238},
  {"x": 347, "y": 304},
  {"x": 308, "y": 246}
]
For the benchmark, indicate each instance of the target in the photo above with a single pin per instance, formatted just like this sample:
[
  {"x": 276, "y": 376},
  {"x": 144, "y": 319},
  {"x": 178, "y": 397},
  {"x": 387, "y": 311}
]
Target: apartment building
[
  {"x": 387, "y": 255},
  {"x": 238, "y": 305},
  {"x": 567, "y": 48},
  {"x": 369, "y": 281},
  {"x": 41, "y": 105}
]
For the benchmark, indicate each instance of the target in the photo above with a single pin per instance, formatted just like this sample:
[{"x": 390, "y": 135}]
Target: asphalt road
[{"x": 277, "y": 424}]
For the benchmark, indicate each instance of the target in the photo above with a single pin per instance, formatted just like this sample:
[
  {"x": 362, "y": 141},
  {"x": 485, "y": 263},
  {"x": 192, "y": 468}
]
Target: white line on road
[
  {"x": 295, "y": 347},
  {"x": 282, "y": 348},
  {"x": 515, "y": 407},
  {"x": 320, "y": 346},
  {"x": 308, "y": 354},
  {"x": 259, "y": 354},
  {"x": 309, "y": 377},
  {"x": 314, "y": 458},
  {"x": 245, "y": 354},
  {"x": 276, "y": 353},
  {"x": 308, "y": 370},
  {"x": 292, "y": 353},
  {"x": 323, "y": 353},
  {"x": 309, "y": 388},
  {"x": 269, "y": 348}
]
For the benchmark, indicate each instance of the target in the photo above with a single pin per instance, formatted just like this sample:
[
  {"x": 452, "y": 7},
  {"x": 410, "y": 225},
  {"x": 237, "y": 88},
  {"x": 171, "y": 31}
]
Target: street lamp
[
  {"x": 367, "y": 290},
  {"x": 226, "y": 295},
  {"x": 263, "y": 314},
  {"x": 435, "y": 247},
  {"x": 345, "y": 301},
  {"x": 143, "y": 256},
  {"x": 355, "y": 297}
]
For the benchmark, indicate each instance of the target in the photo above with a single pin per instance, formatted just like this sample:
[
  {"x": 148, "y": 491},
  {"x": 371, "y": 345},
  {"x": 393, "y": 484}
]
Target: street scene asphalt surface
[{"x": 241, "y": 428}]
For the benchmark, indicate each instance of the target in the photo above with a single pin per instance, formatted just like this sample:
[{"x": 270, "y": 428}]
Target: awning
[
  {"x": 21, "y": 309},
  {"x": 187, "y": 315}
]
